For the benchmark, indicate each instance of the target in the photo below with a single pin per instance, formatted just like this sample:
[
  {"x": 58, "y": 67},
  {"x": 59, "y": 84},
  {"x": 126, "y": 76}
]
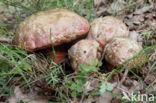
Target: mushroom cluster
[
  {"x": 112, "y": 36},
  {"x": 56, "y": 27}
]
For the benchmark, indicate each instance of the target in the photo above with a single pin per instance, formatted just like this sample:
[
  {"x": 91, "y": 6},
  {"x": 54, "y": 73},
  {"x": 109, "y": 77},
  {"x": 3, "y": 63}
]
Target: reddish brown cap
[
  {"x": 105, "y": 29},
  {"x": 51, "y": 27}
]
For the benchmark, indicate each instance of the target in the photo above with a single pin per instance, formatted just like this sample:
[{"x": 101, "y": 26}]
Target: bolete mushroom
[
  {"x": 84, "y": 52},
  {"x": 120, "y": 50},
  {"x": 51, "y": 27},
  {"x": 105, "y": 29}
]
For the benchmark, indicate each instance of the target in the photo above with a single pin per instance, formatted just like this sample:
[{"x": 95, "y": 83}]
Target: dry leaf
[
  {"x": 31, "y": 98},
  {"x": 143, "y": 10},
  {"x": 149, "y": 79}
]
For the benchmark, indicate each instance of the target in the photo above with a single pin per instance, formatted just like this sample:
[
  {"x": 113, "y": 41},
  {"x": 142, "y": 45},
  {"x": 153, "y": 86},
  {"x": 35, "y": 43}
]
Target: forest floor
[{"x": 33, "y": 78}]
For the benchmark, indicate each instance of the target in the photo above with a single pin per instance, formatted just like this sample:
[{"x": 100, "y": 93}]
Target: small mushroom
[
  {"x": 51, "y": 27},
  {"x": 84, "y": 52},
  {"x": 120, "y": 50},
  {"x": 105, "y": 29}
]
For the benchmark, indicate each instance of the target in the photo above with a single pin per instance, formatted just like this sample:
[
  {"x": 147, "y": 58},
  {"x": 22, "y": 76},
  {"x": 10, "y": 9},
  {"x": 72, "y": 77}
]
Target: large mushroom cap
[
  {"x": 120, "y": 50},
  {"x": 55, "y": 26},
  {"x": 84, "y": 51},
  {"x": 105, "y": 29}
]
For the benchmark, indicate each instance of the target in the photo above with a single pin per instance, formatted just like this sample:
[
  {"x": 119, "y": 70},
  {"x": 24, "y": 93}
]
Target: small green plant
[
  {"x": 4, "y": 32},
  {"x": 4, "y": 89},
  {"x": 12, "y": 63},
  {"x": 147, "y": 34},
  {"x": 76, "y": 85},
  {"x": 105, "y": 86},
  {"x": 54, "y": 76},
  {"x": 21, "y": 101}
]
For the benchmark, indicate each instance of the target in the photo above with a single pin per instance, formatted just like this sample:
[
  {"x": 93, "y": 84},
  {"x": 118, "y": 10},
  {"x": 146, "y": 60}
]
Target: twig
[
  {"x": 6, "y": 40},
  {"x": 124, "y": 77}
]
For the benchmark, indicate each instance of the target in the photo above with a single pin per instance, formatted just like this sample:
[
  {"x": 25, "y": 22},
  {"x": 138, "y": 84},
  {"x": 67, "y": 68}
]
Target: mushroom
[
  {"x": 51, "y": 27},
  {"x": 120, "y": 50},
  {"x": 105, "y": 29},
  {"x": 84, "y": 52}
]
